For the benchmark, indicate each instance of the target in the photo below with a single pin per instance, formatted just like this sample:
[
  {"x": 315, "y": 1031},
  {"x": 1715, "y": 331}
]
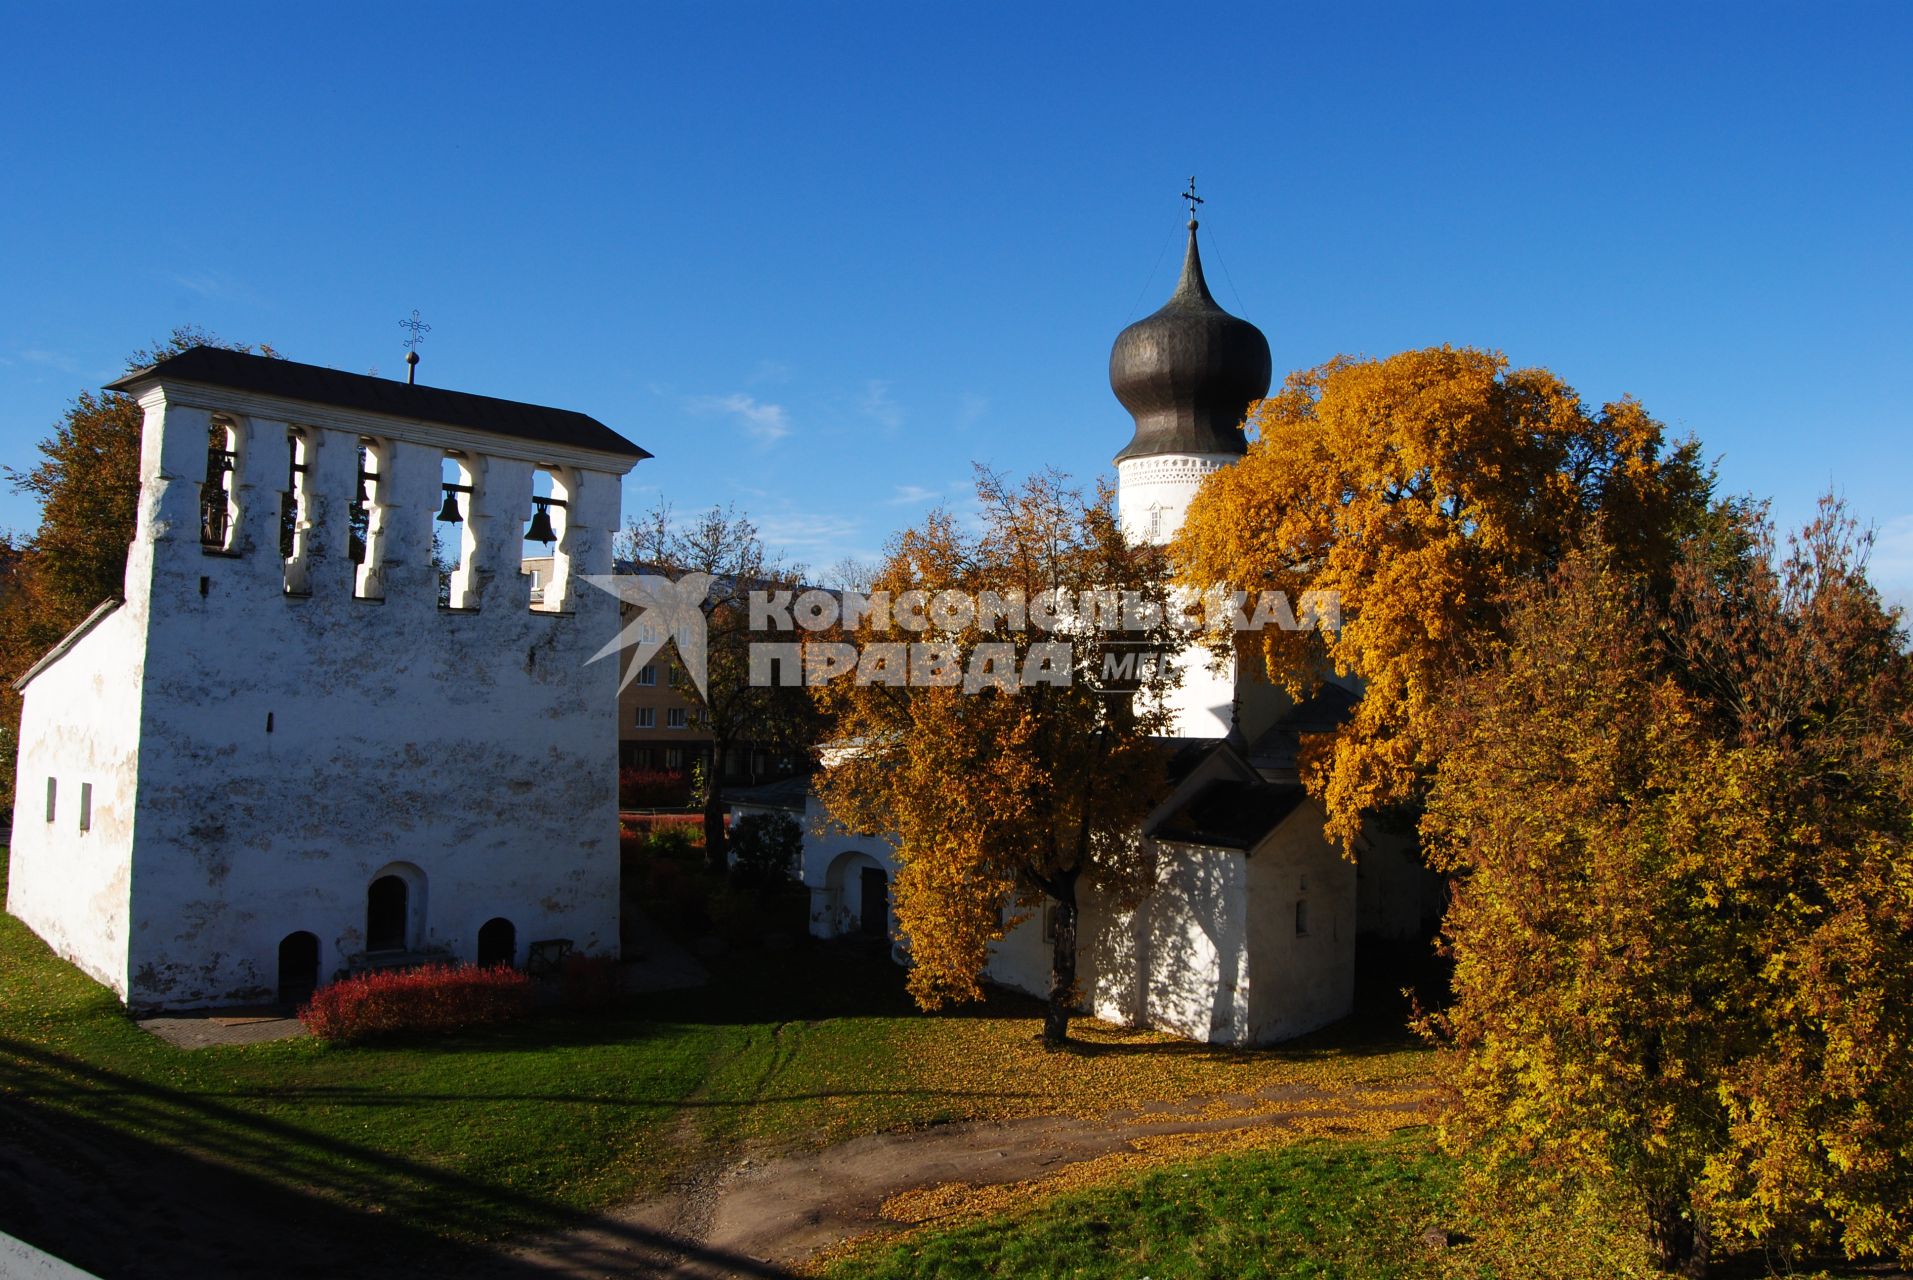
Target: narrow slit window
[
  {"x": 86, "y": 806},
  {"x": 1302, "y": 918},
  {"x": 52, "y": 798}
]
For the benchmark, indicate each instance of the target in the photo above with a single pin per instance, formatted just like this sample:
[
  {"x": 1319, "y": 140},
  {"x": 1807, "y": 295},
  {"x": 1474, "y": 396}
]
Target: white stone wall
[
  {"x": 1153, "y": 493},
  {"x": 78, "y": 728},
  {"x": 292, "y": 748},
  {"x": 1177, "y": 961},
  {"x": 833, "y": 858},
  {"x": 1152, "y": 496},
  {"x": 1299, "y": 982}
]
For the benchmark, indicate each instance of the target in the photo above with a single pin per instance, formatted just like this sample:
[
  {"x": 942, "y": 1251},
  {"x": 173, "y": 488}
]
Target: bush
[
  {"x": 765, "y": 848},
  {"x": 653, "y": 789},
  {"x": 439, "y": 997},
  {"x": 588, "y": 982}
]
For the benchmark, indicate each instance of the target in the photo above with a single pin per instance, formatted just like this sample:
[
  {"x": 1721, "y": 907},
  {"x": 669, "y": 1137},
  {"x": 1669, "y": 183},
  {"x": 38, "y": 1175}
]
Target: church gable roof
[
  {"x": 1324, "y": 711},
  {"x": 290, "y": 380},
  {"x": 1230, "y": 813}
]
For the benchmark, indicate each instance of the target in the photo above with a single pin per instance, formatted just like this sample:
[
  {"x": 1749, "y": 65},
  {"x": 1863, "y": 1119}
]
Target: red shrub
[
  {"x": 589, "y": 982},
  {"x": 439, "y": 997},
  {"x": 653, "y": 789}
]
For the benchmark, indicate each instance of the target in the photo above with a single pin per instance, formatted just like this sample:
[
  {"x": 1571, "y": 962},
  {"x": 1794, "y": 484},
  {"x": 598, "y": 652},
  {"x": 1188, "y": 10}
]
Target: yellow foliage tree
[
  {"x": 1420, "y": 489},
  {"x": 1002, "y": 796},
  {"x": 1683, "y": 920}
]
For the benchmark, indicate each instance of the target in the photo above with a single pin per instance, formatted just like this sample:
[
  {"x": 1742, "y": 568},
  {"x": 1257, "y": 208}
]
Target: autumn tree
[
  {"x": 725, "y": 544},
  {"x": 1420, "y": 489},
  {"x": 87, "y": 485},
  {"x": 1678, "y": 823},
  {"x": 1020, "y": 775}
]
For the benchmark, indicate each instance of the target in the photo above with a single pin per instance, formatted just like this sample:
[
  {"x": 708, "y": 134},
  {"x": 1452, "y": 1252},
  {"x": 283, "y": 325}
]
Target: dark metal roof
[
  {"x": 1229, "y": 813},
  {"x": 1185, "y": 754},
  {"x": 1324, "y": 711},
  {"x": 263, "y": 375},
  {"x": 66, "y": 643},
  {"x": 1188, "y": 372}
]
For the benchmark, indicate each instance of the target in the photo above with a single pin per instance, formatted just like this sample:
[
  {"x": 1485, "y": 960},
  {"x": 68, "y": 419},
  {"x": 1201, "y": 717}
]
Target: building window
[
  {"x": 647, "y": 718},
  {"x": 52, "y": 798},
  {"x": 86, "y": 806},
  {"x": 675, "y": 718},
  {"x": 1302, "y": 918},
  {"x": 648, "y": 673},
  {"x": 674, "y": 757}
]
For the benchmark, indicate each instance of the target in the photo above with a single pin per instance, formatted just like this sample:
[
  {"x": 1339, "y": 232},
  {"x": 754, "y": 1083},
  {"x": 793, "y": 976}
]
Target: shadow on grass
[{"x": 125, "y": 1177}]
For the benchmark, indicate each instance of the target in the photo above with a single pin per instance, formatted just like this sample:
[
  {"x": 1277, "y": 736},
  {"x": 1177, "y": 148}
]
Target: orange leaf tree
[
  {"x": 1420, "y": 489},
  {"x": 1003, "y": 794},
  {"x": 1683, "y": 921}
]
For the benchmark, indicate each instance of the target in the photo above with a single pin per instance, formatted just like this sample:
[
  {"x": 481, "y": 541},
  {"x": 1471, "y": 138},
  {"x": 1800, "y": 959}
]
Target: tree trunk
[
  {"x": 1062, "y": 973},
  {"x": 715, "y": 851},
  {"x": 1680, "y": 1243}
]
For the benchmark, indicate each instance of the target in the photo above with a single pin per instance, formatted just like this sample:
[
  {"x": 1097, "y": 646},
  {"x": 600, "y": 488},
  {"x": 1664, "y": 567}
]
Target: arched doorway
[
  {"x": 856, "y": 897},
  {"x": 298, "y": 967},
  {"x": 386, "y": 911},
  {"x": 497, "y": 942}
]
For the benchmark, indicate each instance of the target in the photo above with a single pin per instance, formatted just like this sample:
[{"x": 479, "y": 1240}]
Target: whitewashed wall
[
  {"x": 1299, "y": 982},
  {"x": 292, "y": 748},
  {"x": 78, "y": 727}
]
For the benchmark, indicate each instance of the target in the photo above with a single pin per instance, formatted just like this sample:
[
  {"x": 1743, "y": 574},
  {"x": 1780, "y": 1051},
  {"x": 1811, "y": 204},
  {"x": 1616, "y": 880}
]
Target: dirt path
[{"x": 763, "y": 1217}]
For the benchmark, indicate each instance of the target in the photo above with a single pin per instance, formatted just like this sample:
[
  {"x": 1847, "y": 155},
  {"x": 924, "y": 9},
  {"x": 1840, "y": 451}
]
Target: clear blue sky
[{"x": 819, "y": 257}]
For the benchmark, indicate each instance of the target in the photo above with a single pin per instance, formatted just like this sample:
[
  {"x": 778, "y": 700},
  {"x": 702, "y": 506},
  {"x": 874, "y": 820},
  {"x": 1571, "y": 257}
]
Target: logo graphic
[
  {"x": 938, "y": 657},
  {"x": 665, "y": 610}
]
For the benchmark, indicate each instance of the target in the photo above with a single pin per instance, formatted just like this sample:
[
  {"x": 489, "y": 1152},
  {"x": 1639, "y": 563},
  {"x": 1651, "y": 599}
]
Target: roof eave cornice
[{"x": 161, "y": 390}]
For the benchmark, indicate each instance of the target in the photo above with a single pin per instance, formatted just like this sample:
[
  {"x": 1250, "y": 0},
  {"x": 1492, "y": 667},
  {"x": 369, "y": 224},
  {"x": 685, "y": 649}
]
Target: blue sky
[{"x": 819, "y": 258}]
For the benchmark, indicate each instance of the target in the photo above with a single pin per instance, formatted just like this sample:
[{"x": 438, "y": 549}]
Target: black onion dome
[{"x": 1188, "y": 372}]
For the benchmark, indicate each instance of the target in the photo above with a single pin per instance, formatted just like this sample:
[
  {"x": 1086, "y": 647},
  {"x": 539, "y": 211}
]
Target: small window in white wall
[
  {"x": 674, "y": 718},
  {"x": 1302, "y": 918},
  {"x": 647, "y": 718},
  {"x": 86, "y": 806},
  {"x": 1155, "y": 523},
  {"x": 52, "y": 797}
]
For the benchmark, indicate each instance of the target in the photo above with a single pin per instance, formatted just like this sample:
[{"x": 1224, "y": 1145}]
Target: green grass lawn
[
  {"x": 1362, "y": 1209},
  {"x": 535, "y": 1125}
]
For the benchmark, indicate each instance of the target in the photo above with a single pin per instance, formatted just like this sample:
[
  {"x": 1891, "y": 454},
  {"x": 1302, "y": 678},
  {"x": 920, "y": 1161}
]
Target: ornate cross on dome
[{"x": 1191, "y": 196}]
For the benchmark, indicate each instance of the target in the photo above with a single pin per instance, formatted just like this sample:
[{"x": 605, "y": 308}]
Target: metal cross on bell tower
[
  {"x": 1189, "y": 195},
  {"x": 419, "y": 329}
]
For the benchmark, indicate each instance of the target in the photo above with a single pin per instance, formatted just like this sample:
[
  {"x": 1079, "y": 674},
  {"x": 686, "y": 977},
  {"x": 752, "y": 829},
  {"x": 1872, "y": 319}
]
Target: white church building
[
  {"x": 1250, "y": 935},
  {"x": 299, "y": 743}
]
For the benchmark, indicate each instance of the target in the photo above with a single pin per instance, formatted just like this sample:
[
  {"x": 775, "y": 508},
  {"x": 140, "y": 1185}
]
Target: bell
[
  {"x": 449, "y": 512},
  {"x": 541, "y": 530}
]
